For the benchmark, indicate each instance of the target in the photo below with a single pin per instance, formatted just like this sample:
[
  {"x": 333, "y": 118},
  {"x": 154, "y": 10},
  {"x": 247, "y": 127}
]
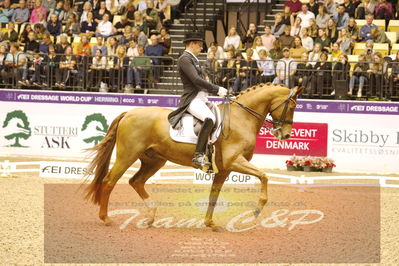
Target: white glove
[{"x": 222, "y": 92}]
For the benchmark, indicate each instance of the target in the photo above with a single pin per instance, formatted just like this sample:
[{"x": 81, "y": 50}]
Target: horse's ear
[{"x": 298, "y": 91}]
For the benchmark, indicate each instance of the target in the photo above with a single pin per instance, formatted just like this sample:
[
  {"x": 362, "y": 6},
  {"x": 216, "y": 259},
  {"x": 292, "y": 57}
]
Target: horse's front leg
[
  {"x": 243, "y": 166},
  {"x": 217, "y": 184}
]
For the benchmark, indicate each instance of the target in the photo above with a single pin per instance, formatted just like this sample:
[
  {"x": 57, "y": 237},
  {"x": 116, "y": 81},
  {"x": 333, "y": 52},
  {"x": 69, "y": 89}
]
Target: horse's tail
[{"x": 100, "y": 163}]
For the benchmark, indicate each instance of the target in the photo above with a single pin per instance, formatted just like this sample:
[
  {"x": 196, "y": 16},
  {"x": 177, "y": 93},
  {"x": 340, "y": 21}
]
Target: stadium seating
[
  {"x": 393, "y": 25},
  {"x": 359, "y": 48},
  {"x": 383, "y": 48},
  {"x": 392, "y": 36}
]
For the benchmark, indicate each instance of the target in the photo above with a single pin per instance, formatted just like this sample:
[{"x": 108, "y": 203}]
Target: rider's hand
[{"x": 222, "y": 92}]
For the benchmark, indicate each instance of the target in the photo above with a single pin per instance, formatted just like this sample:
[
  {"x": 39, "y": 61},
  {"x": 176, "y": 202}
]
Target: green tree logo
[
  {"x": 100, "y": 130},
  {"x": 17, "y": 125}
]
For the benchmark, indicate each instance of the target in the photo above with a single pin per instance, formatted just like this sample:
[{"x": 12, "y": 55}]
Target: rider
[{"x": 196, "y": 90}]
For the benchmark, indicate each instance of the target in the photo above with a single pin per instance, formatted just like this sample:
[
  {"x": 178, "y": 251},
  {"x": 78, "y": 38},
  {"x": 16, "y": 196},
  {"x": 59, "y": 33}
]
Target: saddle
[{"x": 189, "y": 127}]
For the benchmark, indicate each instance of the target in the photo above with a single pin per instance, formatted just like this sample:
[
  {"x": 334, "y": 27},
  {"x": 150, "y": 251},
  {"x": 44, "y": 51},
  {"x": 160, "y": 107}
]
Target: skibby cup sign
[{"x": 307, "y": 139}]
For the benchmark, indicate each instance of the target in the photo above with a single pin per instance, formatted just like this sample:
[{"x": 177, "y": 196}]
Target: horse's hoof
[
  {"x": 256, "y": 212},
  {"x": 107, "y": 221},
  {"x": 218, "y": 229}
]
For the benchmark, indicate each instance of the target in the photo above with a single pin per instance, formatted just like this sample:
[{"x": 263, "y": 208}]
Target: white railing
[{"x": 8, "y": 168}]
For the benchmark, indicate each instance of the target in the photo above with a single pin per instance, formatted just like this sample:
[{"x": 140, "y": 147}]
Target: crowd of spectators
[
  {"x": 308, "y": 37},
  {"x": 57, "y": 42}
]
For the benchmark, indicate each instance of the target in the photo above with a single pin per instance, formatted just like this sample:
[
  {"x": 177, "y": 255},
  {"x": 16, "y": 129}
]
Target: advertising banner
[{"x": 307, "y": 139}]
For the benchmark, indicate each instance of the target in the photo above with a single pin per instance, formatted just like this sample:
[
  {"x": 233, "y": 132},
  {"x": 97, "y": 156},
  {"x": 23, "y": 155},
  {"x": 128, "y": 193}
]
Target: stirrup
[{"x": 201, "y": 160}]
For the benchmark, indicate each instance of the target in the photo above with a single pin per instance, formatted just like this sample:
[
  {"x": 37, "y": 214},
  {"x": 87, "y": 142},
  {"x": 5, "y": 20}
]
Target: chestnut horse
[{"x": 143, "y": 133}]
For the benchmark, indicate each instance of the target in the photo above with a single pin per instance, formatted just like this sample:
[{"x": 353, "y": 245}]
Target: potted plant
[
  {"x": 327, "y": 165},
  {"x": 294, "y": 164}
]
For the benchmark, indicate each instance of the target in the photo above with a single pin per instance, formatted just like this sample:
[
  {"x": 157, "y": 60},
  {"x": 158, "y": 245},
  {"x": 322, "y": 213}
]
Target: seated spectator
[
  {"x": 394, "y": 77},
  {"x": 151, "y": 16},
  {"x": 3, "y": 55},
  {"x": 257, "y": 46},
  {"x": 58, "y": 11},
  {"x": 366, "y": 29},
  {"x": 353, "y": 30},
  {"x": 11, "y": 35},
  {"x": 246, "y": 74},
  {"x": 15, "y": 66},
  {"x": 335, "y": 52},
  {"x": 66, "y": 67},
  {"x": 364, "y": 8},
  {"x": 142, "y": 5},
  {"x": 155, "y": 49},
  {"x": 165, "y": 40},
  {"x": 276, "y": 52},
  {"x": 95, "y": 4},
  {"x": 218, "y": 51},
  {"x": 345, "y": 42},
  {"x": 379, "y": 36},
  {"x": 229, "y": 69},
  {"x": 341, "y": 18},
  {"x": 369, "y": 53},
  {"x": 83, "y": 48},
  {"x": 303, "y": 71},
  {"x": 140, "y": 23},
  {"x": 297, "y": 51},
  {"x": 24, "y": 35},
  {"x": 31, "y": 45},
  {"x": 132, "y": 51},
  {"x": 139, "y": 36},
  {"x": 2, "y": 41},
  {"x": 232, "y": 39},
  {"x": 286, "y": 39},
  {"x": 49, "y": 4},
  {"x": 68, "y": 11},
  {"x": 322, "y": 18},
  {"x": 21, "y": 14},
  {"x": 314, "y": 56},
  {"x": 45, "y": 43},
  {"x": 54, "y": 26},
  {"x": 265, "y": 67},
  {"x": 313, "y": 29},
  {"x": 100, "y": 45},
  {"x": 129, "y": 12},
  {"x": 121, "y": 61},
  {"x": 211, "y": 68},
  {"x": 331, "y": 7},
  {"x": 268, "y": 38},
  {"x": 42, "y": 19},
  {"x": 295, "y": 6},
  {"x": 305, "y": 16},
  {"x": 39, "y": 9},
  {"x": 359, "y": 76},
  {"x": 313, "y": 7},
  {"x": 332, "y": 31},
  {"x": 89, "y": 26},
  {"x": 99, "y": 14},
  {"x": 36, "y": 69},
  {"x": 323, "y": 40},
  {"x": 296, "y": 27},
  {"x": 72, "y": 28},
  {"x": 122, "y": 24},
  {"x": 322, "y": 75},
  {"x": 105, "y": 27},
  {"x": 278, "y": 28},
  {"x": 127, "y": 35},
  {"x": 51, "y": 63},
  {"x": 376, "y": 72},
  {"x": 340, "y": 71},
  {"x": 285, "y": 69},
  {"x": 6, "y": 12},
  {"x": 97, "y": 70},
  {"x": 383, "y": 10},
  {"x": 112, "y": 47},
  {"x": 350, "y": 8},
  {"x": 306, "y": 40},
  {"x": 288, "y": 18},
  {"x": 249, "y": 38},
  {"x": 62, "y": 45},
  {"x": 39, "y": 30}
]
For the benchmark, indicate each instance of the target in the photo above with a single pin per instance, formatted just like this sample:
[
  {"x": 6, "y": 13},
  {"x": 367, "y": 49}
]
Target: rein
[{"x": 276, "y": 123}]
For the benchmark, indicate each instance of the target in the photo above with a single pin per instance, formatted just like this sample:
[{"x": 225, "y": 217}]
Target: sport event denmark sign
[{"x": 306, "y": 139}]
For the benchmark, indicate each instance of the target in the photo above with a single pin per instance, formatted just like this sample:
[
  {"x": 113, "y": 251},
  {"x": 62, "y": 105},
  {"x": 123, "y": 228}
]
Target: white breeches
[{"x": 199, "y": 109}]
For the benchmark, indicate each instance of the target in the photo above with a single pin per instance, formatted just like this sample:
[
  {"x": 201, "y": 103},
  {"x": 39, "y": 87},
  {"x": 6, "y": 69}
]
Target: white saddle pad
[{"x": 186, "y": 133}]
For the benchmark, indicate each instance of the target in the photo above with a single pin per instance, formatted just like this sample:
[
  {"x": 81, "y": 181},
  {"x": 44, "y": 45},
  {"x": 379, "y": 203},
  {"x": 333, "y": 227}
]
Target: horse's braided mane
[{"x": 247, "y": 90}]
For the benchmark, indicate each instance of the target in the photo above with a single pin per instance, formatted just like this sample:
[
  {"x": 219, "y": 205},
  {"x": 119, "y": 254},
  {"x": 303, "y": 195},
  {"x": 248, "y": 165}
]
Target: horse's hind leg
[
  {"x": 149, "y": 166},
  {"x": 109, "y": 182}
]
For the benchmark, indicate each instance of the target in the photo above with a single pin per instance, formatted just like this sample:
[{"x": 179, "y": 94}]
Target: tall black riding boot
[{"x": 199, "y": 155}]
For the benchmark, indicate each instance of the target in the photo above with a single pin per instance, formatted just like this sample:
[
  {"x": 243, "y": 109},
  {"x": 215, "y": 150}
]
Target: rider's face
[{"x": 196, "y": 47}]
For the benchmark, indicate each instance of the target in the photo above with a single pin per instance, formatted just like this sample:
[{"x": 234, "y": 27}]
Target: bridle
[{"x": 278, "y": 123}]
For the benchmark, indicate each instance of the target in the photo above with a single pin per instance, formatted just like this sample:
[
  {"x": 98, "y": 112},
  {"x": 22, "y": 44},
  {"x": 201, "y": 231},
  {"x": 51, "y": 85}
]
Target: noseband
[{"x": 277, "y": 124}]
